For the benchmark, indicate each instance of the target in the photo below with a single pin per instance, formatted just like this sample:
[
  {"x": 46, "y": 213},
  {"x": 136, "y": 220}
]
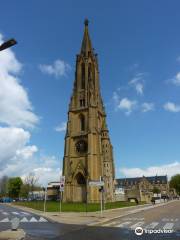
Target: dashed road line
[
  {"x": 138, "y": 224},
  {"x": 24, "y": 219},
  {"x": 168, "y": 226},
  {"x": 42, "y": 219},
  {"x": 15, "y": 213},
  {"x": 5, "y": 213},
  {"x": 5, "y": 220},
  {"x": 108, "y": 224},
  {"x": 25, "y": 213},
  {"x": 123, "y": 224},
  {"x": 152, "y": 225},
  {"x": 33, "y": 219}
]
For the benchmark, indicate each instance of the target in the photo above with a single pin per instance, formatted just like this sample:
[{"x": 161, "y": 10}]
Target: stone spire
[{"x": 86, "y": 42}]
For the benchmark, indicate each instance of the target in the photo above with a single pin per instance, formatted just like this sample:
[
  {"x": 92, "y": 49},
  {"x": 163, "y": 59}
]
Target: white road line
[
  {"x": 25, "y": 213},
  {"x": 42, "y": 219},
  {"x": 168, "y": 226},
  {"x": 123, "y": 224},
  {"x": 24, "y": 219},
  {"x": 5, "y": 213},
  {"x": 108, "y": 224},
  {"x": 138, "y": 224},
  {"x": 33, "y": 219},
  {"x": 15, "y": 213},
  {"x": 5, "y": 220},
  {"x": 152, "y": 225}
]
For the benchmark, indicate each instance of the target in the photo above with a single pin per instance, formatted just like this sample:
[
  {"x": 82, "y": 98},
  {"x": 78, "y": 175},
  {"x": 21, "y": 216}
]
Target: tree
[
  {"x": 175, "y": 183},
  {"x": 29, "y": 185},
  {"x": 14, "y": 186},
  {"x": 24, "y": 191},
  {"x": 156, "y": 190}
]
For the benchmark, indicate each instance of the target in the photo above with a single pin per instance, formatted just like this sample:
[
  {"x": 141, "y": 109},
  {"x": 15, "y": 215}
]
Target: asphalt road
[
  {"x": 157, "y": 219},
  {"x": 36, "y": 227}
]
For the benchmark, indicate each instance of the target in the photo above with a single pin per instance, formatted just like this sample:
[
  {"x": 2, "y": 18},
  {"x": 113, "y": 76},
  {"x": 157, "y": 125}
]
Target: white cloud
[
  {"x": 169, "y": 169},
  {"x": 15, "y": 107},
  {"x": 127, "y": 105},
  {"x": 59, "y": 68},
  {"x": 176, "y": 79},
  {"x": 19, "y": 158},
  {"x": 61, "y": 127},
  {"x": 14, "y": 146},
  {"x": 138, "y": 83},
  {"x": 146, "y": 107},
  {"x": 47, "y": 170},
  {"x": 172, "y": 107}
]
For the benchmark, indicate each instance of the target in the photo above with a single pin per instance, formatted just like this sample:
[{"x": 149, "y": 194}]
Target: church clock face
[{"x": 81, "y": 146}]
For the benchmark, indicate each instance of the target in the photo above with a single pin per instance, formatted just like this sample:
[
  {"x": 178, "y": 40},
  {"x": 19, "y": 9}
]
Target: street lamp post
[{"x": 11, "y": 42}]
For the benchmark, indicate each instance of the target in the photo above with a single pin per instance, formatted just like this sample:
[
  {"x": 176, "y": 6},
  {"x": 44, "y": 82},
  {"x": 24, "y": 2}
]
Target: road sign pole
[
  {"x": 86, "y": 195},
  {"x": 61, "y": 190},
  {"x": 60, "y": 206},
  {"x": 101, "y": 200},
  {"x": 45, "y": 199}
]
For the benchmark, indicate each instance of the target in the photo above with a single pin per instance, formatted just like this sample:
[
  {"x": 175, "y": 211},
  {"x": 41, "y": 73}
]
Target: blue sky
[{"x": 138, "y": 44}]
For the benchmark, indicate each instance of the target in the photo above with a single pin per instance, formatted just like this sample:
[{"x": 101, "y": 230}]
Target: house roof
[{"x": 131, "y": 181}]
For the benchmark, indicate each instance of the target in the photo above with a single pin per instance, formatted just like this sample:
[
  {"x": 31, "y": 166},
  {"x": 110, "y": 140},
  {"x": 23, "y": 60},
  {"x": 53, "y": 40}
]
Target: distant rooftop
[{"x": 153, "y": 180}]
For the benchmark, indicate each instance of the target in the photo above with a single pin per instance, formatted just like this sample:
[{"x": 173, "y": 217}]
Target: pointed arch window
[
  {"x": 82, "y": 76},
  {"x": 89, "y": 71},
  {"x": 82, "y": 122}
]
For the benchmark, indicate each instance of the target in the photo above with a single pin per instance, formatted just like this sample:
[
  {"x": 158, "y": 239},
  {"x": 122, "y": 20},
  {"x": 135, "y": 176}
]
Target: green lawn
[{"x": 53, "y": 206}]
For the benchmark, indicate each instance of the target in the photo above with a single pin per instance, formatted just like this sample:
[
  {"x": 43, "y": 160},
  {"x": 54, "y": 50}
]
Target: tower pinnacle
[
  {"x": 86, "y": 42},
  {"x": 86, "y": 22}
]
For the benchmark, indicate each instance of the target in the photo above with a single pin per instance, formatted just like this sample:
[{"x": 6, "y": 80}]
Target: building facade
[
  {"x": 142, "y": 188},
  {"x": 88, "y": 153}
]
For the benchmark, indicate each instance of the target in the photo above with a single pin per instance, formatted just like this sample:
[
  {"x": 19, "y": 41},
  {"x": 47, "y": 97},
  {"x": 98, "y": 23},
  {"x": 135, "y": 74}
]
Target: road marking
[
  {"x": 168, "y": 226},
  {"x": 5, "y": 213},
  {"x": 42, "y": 219},
  {"x": 137, "y": 225},
  {"x": 25, "y": 213},
  {"x": 15, "y": 213},
  {"x": 33, "y": 219},
  {"x": 5, "y": 220},
  {"x": 109, "y": 224},
  {"x": 152, "y": 225},
  {"x": 123, "y": 224},
  {"x": 24, "y": 219},
  {"x": 133, "y": 219}
]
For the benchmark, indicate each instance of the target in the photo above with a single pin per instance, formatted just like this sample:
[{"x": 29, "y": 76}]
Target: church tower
[{"x": 88, "y": 153}]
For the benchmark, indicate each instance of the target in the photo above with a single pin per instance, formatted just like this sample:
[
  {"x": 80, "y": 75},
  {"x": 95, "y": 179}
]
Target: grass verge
[{"x": 53, "y": 206}]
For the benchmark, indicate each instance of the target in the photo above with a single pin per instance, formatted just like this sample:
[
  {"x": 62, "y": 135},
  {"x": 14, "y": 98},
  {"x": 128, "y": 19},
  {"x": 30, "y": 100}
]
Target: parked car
[{"x": 7, "y": 200}]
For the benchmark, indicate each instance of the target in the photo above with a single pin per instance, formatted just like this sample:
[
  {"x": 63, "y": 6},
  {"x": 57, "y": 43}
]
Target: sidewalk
[
  {"x": 91, "y": 218},
  {"x": 12, "y": 235}
]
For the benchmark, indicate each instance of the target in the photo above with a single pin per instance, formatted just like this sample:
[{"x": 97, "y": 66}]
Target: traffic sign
[
  {"x": 61, "y": 183},
  {"x": 96, "y": 183}
]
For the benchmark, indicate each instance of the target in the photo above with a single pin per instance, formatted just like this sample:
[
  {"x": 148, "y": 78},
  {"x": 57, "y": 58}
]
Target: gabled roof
[{"x": 132, "y": 181}]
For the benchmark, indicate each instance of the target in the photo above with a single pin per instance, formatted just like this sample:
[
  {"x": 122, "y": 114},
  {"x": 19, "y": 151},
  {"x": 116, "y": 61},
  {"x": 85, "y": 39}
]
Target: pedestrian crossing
[
  {"x": 25, "y": 220},
  {"x": 20, "y": 213},
  {"x": 24, "y": 217},
  {"x": 133, "y": 223}
]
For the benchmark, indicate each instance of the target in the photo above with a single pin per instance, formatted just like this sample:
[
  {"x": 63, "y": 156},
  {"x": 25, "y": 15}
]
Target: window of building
[
  {"x": 82, "y": 122},
  {"x": 82, "y": 76},
  {"x": 82, "y": 102}
]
